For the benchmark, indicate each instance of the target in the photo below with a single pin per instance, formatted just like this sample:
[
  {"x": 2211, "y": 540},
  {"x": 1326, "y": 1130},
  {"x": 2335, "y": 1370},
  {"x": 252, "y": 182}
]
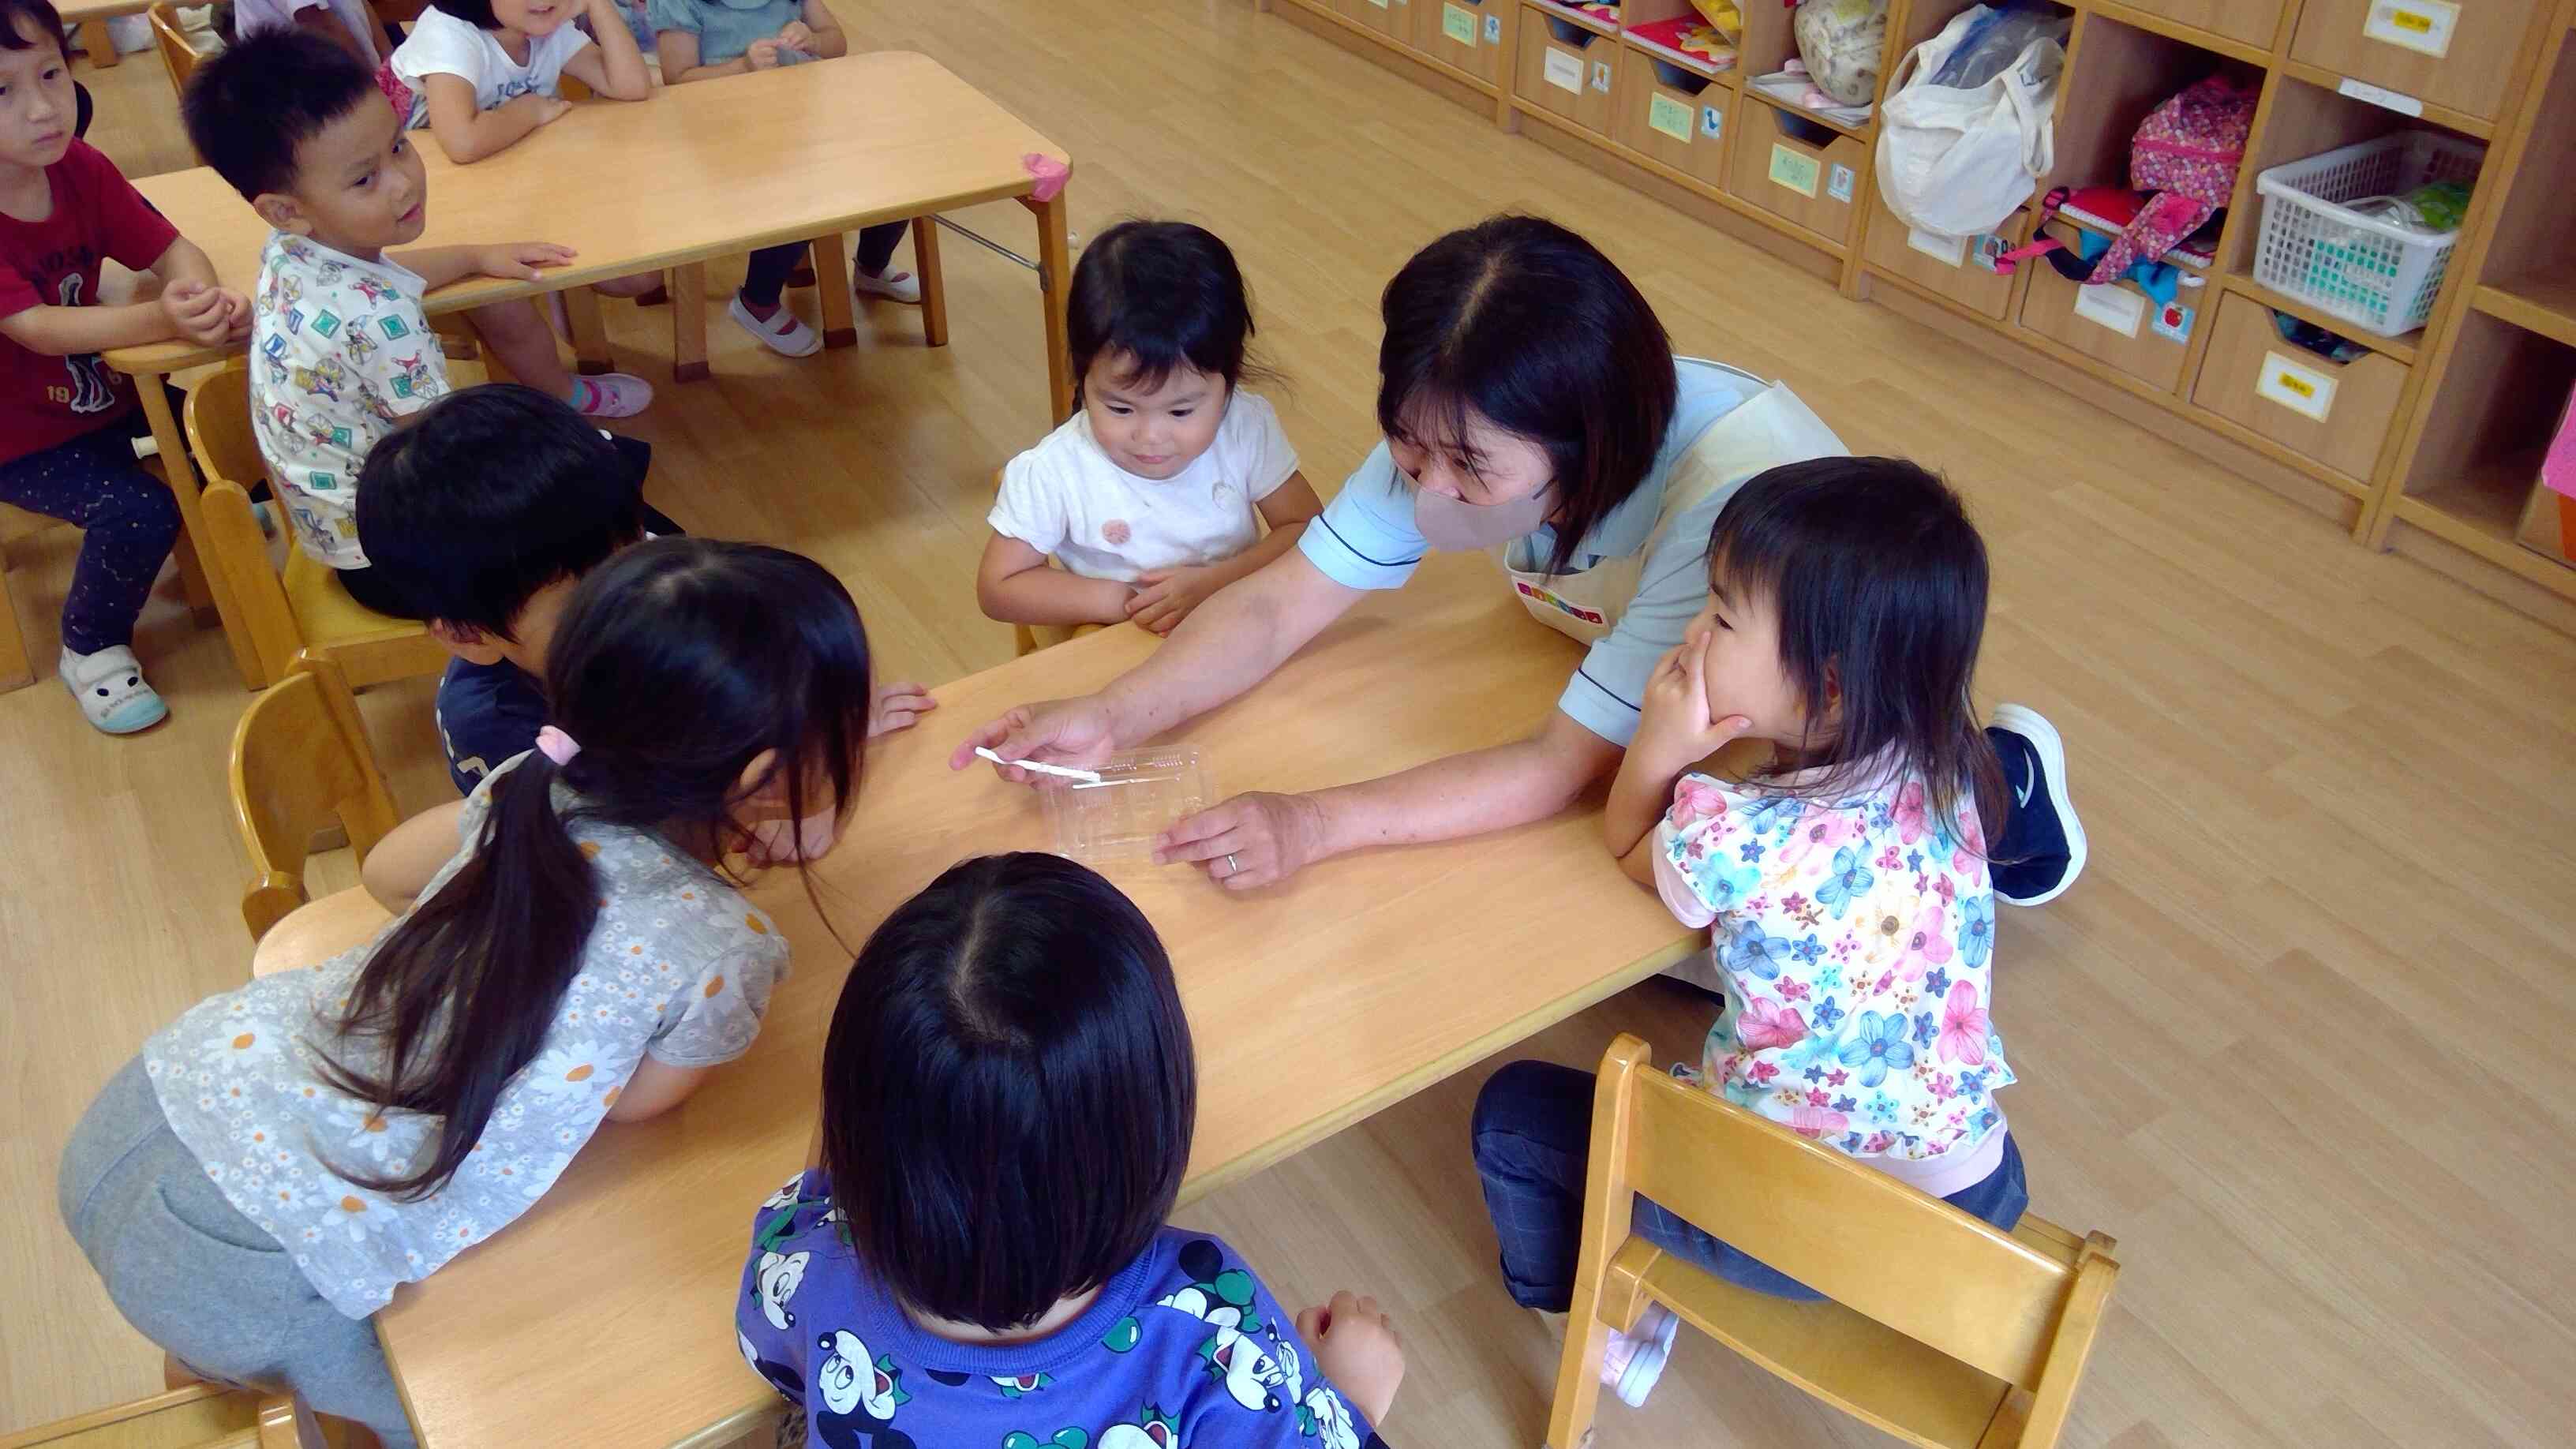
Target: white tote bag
[{"x": 1954, "y": 161}]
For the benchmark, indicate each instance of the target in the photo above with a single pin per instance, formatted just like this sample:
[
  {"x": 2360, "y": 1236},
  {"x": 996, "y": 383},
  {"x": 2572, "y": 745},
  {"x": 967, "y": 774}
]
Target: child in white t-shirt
[{"x": 1153, "y": 494}]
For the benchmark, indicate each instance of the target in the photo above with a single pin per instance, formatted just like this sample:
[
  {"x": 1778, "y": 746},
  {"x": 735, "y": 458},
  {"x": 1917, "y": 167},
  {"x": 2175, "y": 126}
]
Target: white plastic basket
[{"x": 2372, "y": 273}]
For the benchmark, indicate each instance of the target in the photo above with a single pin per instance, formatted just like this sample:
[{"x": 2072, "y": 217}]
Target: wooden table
[
  {"x": 705, "y": 170},
  {"x": 1313, "y": 1005},
  {"x": 89, "y": 18}
]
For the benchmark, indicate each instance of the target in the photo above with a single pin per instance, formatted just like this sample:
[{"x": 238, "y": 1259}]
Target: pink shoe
[{"x": 611, "y": 395}]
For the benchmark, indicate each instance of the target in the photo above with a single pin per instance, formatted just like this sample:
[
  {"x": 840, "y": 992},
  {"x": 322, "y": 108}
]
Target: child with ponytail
[{"x": 571, "y": 949}]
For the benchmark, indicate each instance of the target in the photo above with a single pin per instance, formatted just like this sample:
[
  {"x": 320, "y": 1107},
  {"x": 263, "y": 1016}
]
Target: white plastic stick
[{"x": 1061, "y": 772}]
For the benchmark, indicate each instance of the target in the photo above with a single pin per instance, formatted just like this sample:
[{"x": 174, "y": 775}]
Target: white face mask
[{"x": 1453, "y": 525}]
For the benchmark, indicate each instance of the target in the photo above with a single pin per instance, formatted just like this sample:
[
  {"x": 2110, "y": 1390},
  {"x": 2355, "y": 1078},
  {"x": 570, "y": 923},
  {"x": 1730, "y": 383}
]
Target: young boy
[
  {"x": 66, "y": 420},
  {"x": 341, "y": 351}
]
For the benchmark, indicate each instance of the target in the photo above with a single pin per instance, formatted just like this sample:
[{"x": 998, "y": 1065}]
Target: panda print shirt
[
  {"x": 679, "y": 967},
  {"x": 1184, "y": 1346}
]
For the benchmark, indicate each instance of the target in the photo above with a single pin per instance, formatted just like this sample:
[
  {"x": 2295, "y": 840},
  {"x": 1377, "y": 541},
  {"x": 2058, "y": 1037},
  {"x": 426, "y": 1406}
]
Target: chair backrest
[
  {"x": 200, "y": 1416},
  {"x": 217, "y": 417},
  {"x": 300, "y": 760},
  {"x": 1895, "y": 1255},
  {"x": 178, "y": 57}
]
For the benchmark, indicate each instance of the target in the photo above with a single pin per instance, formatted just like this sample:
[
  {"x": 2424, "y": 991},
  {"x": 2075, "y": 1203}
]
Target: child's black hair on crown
[
  {"x": 1008, "y": 1091},
  {"x": 48, "y": 21},
  {"x": 491, "y": 494},
  {"x": 477, "y": 13},
  {"x": 248, "y": 108},
  {"x": 1165, "y": 295}
]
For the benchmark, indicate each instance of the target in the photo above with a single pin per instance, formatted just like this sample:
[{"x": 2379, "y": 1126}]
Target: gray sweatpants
[{"x": 196, "y": 1277}]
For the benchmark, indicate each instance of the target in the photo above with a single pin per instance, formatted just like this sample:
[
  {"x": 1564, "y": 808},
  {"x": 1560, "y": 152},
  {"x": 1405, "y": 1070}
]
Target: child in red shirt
[{"x": 67, "y": 420}]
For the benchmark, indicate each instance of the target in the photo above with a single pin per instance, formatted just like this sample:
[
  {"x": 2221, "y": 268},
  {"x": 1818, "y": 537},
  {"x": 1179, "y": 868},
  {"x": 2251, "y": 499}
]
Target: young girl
[
  {"x": 976, "y": 1252},
  {"x": 703, "y": 39},
  {"x": 1846, "y": 888},
  {"x": 257, "y": 1182},
  {"x": 67, "y": 420},
  {"x": 1152, "y": 494}
]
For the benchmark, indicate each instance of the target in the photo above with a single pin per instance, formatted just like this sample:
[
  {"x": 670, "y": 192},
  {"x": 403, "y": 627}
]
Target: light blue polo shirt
[{"x": 1366, "y": 539}]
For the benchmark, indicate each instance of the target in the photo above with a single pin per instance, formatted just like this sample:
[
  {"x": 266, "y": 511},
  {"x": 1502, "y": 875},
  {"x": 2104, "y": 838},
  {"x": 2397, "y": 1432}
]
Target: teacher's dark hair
[
  {"x": 1530, "y": 325},
  {"x": 1879, "y": 582},
  {"x": 1008, "y": 1091},
  {"x": 676, "y": 666}
]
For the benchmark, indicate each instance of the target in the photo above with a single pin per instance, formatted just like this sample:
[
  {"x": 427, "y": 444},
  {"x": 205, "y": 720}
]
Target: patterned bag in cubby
[{"x": 2187, "y": 152}]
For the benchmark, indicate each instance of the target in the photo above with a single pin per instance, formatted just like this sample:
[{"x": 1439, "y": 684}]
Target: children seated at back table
[
  {"x": 1847, "y": 887},
  {"x": 68, "y": 420},
  {"x": 341, "y": 349},
  {"x": 255, "y": 1184},
  {"x": 977, "y": 1251},
  {"x": 703, "y": 39},
  {"x": 1152, "y": 495},
  {"x": 483, "y": 515}
]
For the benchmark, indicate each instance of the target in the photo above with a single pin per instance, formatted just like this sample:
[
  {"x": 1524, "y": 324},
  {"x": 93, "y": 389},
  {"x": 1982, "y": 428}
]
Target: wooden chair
[
  {"x": 304, "y": 611},
  {"x": 17, "y": 670},
  {"x": 178, "y": 57},
  {"x": 200, "y": 1416},
  {"x": 300, "y": 764},
  {"x": 1942, "y": 1330}
]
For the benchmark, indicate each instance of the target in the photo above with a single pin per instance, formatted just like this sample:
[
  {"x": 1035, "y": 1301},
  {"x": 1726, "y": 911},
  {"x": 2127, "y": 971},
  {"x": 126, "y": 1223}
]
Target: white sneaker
[
  {"x": 111, "y": 690},
  {"x": 783, "y": 333},
  {"x": 1635, "y": 1360},
  {"x": 611, "y": 395},
  {"x": 894, "y": 287}
]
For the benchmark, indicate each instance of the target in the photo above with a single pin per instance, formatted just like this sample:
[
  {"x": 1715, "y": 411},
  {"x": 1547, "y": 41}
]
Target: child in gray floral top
[{"x": 259, "y": 1180}]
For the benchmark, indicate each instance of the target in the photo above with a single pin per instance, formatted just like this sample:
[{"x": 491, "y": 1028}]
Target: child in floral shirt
[{"x": 1846, "y": 892}]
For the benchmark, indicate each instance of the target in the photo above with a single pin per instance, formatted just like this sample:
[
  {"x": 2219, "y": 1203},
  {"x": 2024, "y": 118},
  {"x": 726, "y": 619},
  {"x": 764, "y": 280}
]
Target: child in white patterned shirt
[{"x": 1846, "y": 887}]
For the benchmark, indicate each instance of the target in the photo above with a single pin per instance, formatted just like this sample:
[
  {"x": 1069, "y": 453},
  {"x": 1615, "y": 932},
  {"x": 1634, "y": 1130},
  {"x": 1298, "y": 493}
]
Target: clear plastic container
[{"x": 1141, "y": 794}]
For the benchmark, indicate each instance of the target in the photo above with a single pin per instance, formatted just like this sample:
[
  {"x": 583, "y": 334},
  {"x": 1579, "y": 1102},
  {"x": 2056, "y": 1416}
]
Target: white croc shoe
[
  {"x": 782, "y": 331},
  {"x": 901, "y": 287},
  {"x": 111, "y": 689}
]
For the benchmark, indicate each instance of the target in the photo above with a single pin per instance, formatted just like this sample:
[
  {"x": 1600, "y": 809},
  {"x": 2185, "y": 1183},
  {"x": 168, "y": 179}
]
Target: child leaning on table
[
  {"x": 341, "y": 350},
  {"x": 703, "y": 39},
  {"x": 68, "y": 420},
  {"x": 254, "y": 1185},
  {"x": 1846, "y": 887},
  {"x": 1152, "y": 495},
  {"x": 977, "y": 1251}
]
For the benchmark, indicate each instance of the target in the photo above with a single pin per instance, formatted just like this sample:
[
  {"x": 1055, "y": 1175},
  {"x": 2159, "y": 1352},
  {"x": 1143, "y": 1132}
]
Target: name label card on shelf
[
  {"x": 1949, "y": 250},
  {"x": 2423, "y": 26},
  {"x": 1563, "y": 71},
  {"x": 1669, "y": 116},
  {"x": 2301, "y": 389},
  {"x": 2117, "y": 308},
  {"x": 1458, "y": 23},
  {"x": 1795, "y": 170},
  {"x": 2402, "y": 104}
]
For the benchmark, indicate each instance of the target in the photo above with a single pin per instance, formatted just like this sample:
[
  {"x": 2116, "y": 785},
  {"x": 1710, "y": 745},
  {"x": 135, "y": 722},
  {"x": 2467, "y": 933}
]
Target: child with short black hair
[
  {"x": 978, "y": 1253},
  {"x": 571, "y": 949},
  {"x": 68, "y": 420},
  {"x": 341, "y": 349},
  {"x": 1153, "y": 494},
  {"x": 1847, "y": 885}
]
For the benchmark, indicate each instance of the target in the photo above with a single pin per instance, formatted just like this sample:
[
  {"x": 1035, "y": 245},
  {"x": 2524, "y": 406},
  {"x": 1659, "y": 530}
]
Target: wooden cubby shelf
[{"x": 2375, "y": 438}]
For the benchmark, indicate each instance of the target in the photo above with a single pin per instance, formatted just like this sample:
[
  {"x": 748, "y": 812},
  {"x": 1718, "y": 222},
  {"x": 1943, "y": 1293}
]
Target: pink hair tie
[{"x": 557, "y": 746}]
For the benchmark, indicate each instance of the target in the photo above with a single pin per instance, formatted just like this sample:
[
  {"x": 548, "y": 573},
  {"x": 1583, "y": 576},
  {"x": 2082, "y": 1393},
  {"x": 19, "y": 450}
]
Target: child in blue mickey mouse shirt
[{"x": 977, "y": 1253}]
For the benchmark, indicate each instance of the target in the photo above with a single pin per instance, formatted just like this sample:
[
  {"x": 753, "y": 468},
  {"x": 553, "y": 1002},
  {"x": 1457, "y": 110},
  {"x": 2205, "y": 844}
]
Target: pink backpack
[{"x": 2187, "y": 152}]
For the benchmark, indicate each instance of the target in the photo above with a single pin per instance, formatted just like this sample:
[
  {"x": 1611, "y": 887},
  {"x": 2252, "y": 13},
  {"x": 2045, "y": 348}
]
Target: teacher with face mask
[{"x": 1532, "y": 406}]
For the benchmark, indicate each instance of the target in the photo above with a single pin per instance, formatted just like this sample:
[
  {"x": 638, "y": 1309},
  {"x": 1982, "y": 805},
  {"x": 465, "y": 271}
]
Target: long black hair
[
  {"x": 676, "y": 665},
  {"x": 1530, "y": 325},
  {"x": 1166, "y": 295},
  {"x": 1879, "y": 582},
  {"x": 1008, "y": 1091}
]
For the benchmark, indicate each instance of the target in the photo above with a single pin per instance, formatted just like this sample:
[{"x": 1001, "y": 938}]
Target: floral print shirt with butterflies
[
  {"x": 679, "y": 967},
  {"x": 1857, "y": 935}
]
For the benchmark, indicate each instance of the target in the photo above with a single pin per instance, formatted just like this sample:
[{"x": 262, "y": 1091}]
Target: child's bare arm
[
  {"x": 1165, "y": 597},
  {"x": 517, "y": 261},
  {"x": 655, "y": 1089},
  {"x": 822, "y": 36},
  {"x": 679, "y": 52},
  {"x": 69, "y": 331},
  {"x": 401, "y": 865},
  {"x": 1015, "y": 585},
  {"x": 614, "y": 66},
  {"x": 468, "y": 134},
  {"x": 1358, "y": 1349}
]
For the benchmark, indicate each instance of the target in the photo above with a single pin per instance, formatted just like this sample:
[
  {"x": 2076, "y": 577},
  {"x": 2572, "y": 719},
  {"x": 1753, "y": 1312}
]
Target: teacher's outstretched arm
[
  {"x": 1227, "y": 645},
  {"x": 1258, "y": 839}
]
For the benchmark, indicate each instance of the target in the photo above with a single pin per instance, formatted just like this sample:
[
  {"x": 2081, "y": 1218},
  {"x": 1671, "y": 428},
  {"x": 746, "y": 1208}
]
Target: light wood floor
[{"x": 2299, "y": 1040}]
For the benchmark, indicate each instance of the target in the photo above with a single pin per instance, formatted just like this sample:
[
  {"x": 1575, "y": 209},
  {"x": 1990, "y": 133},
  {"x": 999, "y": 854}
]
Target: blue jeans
[{"x": 1533, "y": 1135}]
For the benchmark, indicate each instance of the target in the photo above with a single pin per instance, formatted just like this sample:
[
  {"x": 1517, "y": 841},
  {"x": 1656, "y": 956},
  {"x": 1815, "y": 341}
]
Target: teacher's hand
[
  {"x": 1075, "y": 732},
  {"x": 1249, "y": 841}
]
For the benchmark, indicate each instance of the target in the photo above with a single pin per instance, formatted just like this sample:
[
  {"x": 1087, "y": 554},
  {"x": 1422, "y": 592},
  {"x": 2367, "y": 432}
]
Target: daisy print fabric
[
  {"x": 1857, "y": 938},
  {"x": 679, "y": 968}
]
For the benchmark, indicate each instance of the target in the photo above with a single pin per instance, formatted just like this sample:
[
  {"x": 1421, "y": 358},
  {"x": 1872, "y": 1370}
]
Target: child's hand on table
[
  {"x": 519, "y": 261},
  {"x": 551, "y": 109},
  {"x": 1677, "y": 730},
  {"x": 797, "y": 36},
  {"x": 897, "y": 705},
  {"x": 1164, "y": 597},
  {"x": 763, "y": 54},
  {"x": 1358, "y": 1349},
  {"x": 203, "y": 314}
]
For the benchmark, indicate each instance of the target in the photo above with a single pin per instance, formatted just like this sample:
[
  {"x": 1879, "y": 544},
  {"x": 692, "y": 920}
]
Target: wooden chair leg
[
  {"x": 193, "y": 582},
  {"x": 688, "y": 286},
  {"x": 100, "y": 45},
  {"x": 832, "y": 284},
  {"x": 589, "y": 331},
  {"x": 934, "y": 289}
]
